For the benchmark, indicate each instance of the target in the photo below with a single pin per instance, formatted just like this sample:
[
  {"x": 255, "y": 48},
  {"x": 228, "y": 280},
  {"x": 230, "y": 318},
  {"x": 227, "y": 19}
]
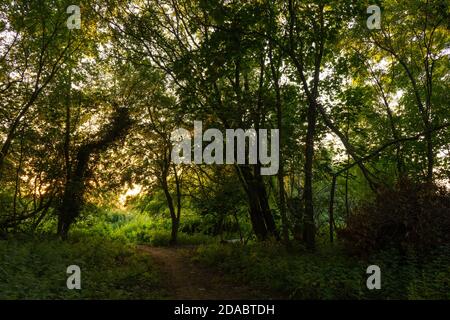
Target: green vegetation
[
  {"x": 329, "y": 273},
  {"x": 353, "y": 120},
  {"x": 35, "y": 268},
  {"x": 103, "y": 244},
  {"x": 136, "y": 228}
]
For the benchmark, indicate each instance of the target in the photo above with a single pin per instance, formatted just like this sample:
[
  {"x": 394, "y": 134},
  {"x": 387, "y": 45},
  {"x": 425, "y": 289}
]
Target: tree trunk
[
  {"x": 174, "y": 232},
  {"x": 308, "y": 219},
  {"x": 72, "y": 201},
  {"x": 256, "y": 215},
  {"x": 430, "y": 155},
  {"x": 70, "y": 207},
  {"x": 280, "y": 175},
  {"x": 173, "y": 215},
  {"x": 264, "y": 204}
]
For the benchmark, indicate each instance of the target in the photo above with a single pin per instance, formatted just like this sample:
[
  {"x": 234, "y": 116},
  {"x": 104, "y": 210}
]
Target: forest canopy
[{"x": 322, "y": 121}]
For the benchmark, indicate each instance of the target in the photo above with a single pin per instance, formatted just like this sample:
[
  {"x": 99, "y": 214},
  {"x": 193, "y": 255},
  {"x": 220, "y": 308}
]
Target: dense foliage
[
  {"x": 36, "y": 269},
  {"x": 88, "y": 115}
]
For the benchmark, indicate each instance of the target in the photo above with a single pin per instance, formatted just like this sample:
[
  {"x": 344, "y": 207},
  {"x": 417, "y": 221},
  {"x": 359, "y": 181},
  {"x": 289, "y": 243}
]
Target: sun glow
[{"x": 132, "y": 191}]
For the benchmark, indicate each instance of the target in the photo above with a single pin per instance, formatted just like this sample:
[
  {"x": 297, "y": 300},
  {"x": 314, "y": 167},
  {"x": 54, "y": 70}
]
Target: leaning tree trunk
[
  {"x": 72, "y": 200},
  {"x": 75, "y": 186},
  {"x": 264, "y": 204}
]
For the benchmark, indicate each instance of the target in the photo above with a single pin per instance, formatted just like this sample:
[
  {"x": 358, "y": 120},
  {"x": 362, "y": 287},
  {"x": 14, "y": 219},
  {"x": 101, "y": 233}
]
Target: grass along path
[{"x": 187, "y": 280}]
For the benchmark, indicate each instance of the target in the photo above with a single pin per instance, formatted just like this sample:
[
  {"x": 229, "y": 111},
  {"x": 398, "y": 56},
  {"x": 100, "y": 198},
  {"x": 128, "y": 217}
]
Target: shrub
[{"x": 408, "y": 216}]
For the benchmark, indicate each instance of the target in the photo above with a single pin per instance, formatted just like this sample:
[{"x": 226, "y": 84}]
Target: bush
[{"x": 409, "y": 216}]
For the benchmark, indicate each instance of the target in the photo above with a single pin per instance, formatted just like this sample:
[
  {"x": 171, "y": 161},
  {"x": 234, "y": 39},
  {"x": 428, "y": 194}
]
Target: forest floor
[{"x": 188, "y": 280}]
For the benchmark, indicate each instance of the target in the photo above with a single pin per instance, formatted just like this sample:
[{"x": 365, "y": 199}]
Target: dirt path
[{"x": 186, "y": 280}]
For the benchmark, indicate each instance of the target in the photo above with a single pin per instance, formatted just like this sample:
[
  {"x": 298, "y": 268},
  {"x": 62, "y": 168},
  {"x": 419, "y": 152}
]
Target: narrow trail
[{"x": 186, "y": 280}]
